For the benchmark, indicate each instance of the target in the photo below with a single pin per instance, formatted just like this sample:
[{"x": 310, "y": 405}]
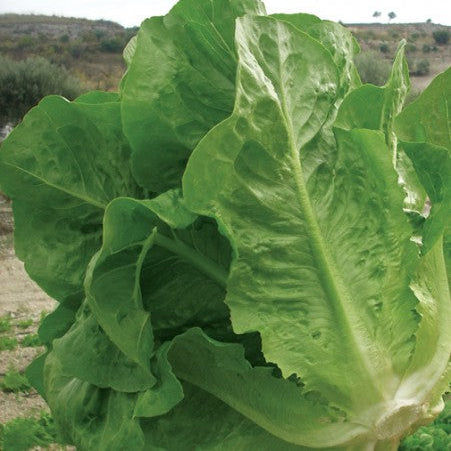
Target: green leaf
[
  {"x": 424, "y": 132},
  {"x": 93, "y": 418},
  {"x": 98, "y": 361},
  {"x": 205, "y": 423},
  {"x": 433, "y": 168},
  {"x": 280, "y": 406},
  {"x": 167, "y": 392},
  {"x": 336, "y": 38},
  {"x": 427, "y": 371},
  {"x": 129, "y": 50},
  {"x": 89, "y": 417},
  {"x": 427, "y": 119},
  {"x": 149, "y": 276},
  {"x": 323, "y": 257},
  {"x": 35, "y": 374},
  {"x": 180, "y": 83},
  {"x": 58, "y": 322},
  {"x": 375, "y": 108},
  {"x": 61, "y": 167},
  {"x": 342, "y": 46},
  {"x": 302, "y": 21}
]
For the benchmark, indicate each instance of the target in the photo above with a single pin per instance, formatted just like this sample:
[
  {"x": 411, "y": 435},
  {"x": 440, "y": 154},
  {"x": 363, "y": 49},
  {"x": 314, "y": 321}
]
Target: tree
[
  {"x": 377, "y": 14},
  {"x": 391, "y": 15}
]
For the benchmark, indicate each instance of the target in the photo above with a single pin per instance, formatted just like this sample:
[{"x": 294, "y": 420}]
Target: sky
[{"x": 132, "y": 12}]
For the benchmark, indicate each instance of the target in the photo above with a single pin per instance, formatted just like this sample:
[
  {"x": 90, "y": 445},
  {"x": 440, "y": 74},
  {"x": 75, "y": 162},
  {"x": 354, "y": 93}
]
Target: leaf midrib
[
  {"x": 198, "y": 260},
  {"x": 334, "y": 287},
  {"x": 80, "y": 196}
]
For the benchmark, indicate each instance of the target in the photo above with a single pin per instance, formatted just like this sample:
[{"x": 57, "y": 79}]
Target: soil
[{"x": 20, "y": 299}]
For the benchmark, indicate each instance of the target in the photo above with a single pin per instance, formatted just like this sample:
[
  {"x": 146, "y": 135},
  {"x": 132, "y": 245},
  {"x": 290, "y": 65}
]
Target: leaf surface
[
  {"x": 426, "y": 139},
  {"x": 280, "y": 406},
  {"x": 180, "y": 83},
  {"x": 98, "y": 360},
  {"x": 150, "y": 278},
  {"x": 61, "y": 167},
  {"x": 427, "y": 372},
  {"x": 323, "y": 256}
]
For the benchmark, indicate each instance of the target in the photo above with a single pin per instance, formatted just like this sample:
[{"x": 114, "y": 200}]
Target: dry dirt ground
[{"x": 21, "y": 300}]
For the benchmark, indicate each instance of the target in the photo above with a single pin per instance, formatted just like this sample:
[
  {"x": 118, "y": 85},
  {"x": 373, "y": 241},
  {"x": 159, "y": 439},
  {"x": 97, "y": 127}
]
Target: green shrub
[
  {"x": 99, "y": 34},
  {"x": 5, "y": 323},
  {"x": 26, "y": 42},
  {"x": 24, "y": 324},
  {"x": 14, "y": 381},
  {"x": 31, "y": 341},
  {"x": 411, "y": 48},
  {"x": 372, "y": 68},
  {"x": 426, "y": 48},
  {"x": 7, "y": 343},
  {"x": 76, "y": 50},
  {"x": 419, "y": 68},
  {"x": 21, "y": 434},
  {"x": 384, "y": 48},
  {"x": 24, "y": 83},
  {"x": 113, "y": 45},
  {"x": 441, "y": 37}
]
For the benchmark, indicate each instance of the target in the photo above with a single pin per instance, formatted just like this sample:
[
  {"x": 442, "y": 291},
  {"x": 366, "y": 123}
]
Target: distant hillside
[
  {"x": 419, "y": 37},
  {"x": 426, "y": 56},
  {"x": 55, "y": 26},
  {"x": 92, "y": 50}
]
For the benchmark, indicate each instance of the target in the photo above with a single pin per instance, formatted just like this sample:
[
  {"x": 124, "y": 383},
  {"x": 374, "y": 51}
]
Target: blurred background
[{"x": 43, "y": 50}]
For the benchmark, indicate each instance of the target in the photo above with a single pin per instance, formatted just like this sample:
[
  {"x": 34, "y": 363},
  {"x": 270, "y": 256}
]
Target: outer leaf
[
  {"x": 61, "y": 167},
  {"x": 342, "y": 47},
  {"x": 336, "y": 38},
  {"x": 203, "y": 422},
  {"x": 180, "y": 83},
  {"x": 129, "y": 50},
  {"x": 54, "y": 325},
  {"x": 427, "y": 119},
  {"x": 89, "y": 417},
  {"x": 302, "y": 21},
  {"x": 323, "y": 258},
  {"x": 98, "y": 360},
  {"x": 426, "y": 377},
  {"x": 374, "y": 107},
  {"x": 93, "y": 418},
  {"x": 103, "y": 418},
  {"x": 424, "y": 130},
  {"x": 433, "y": 168},
  {"x": 131, "y": 289},
  {"x": 277, "y": 405},
  {"x": 167, "y": 393},
  {"x": 57, "y": 323},
  {"x": 35, "y": 374},
  {"x": 128, "y": 54}
]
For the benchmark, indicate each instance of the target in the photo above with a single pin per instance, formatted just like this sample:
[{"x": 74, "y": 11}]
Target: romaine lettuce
[{"x": 239, "y": 241}]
